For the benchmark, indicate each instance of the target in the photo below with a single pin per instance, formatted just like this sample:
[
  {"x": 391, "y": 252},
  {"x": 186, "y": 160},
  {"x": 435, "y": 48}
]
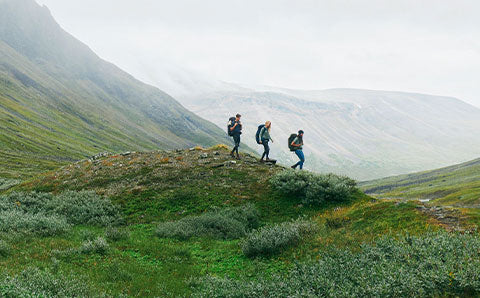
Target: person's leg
[
  {"x": 302, "y": 158},
  {"x": 299, "y": 153},
  {"x": 235, "y": 146},
  {"x": 267, "y": 149},
  {"x": 237, "y": 143}
]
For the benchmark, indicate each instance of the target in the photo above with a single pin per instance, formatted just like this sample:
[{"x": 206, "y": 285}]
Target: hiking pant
[
  {"x": 266, "y": 148},
  {"x": 236, "y": 140},
  {"x": 300, "y": 155}
]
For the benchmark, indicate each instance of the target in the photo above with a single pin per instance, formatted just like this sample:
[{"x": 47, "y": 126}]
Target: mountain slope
[
  {"x": 457, "y": 185},
  {"x": 60, "y": 102},
  {"x": 366, "y": 134}
]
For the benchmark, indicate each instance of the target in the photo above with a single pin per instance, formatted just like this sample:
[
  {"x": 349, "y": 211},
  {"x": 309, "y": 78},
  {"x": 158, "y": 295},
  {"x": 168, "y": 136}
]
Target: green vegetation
[
  {"x": 219, "y": 220},
  {"x": 314, "y": 189},
  {"x": 457, "y": 185},
  {"x": 270, "y": 240},
  {"x": 33, "y": 282},
  {"x": 7, "y": 183},
  {"x": 428, "y": 266},
  {"x": 227, "y": 223}
]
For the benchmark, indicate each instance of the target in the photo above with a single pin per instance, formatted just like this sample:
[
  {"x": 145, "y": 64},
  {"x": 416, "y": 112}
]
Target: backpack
[
  {"x": 291, "y": 138},
  {"x": 257, "y": 135},
  {"x": 231, "y": 122}
]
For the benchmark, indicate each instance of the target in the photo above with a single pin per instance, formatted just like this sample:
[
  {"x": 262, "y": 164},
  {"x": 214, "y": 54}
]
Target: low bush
[
  {"x": 313, "y": 189},
  {"x": 75, "y": 207},
  {"x": 116, "y": 234},
  {"x": 30, "y": 223},
  {"x": 88, "y": 247},
  {"x": 34, "y": 282},
  {"x": 433, "y": 265},
  {"x": 227, "y": 223},
  {"x": 7, "y": 183},
  {"x": 86, "y": 207},
  {"x": 270, "y": 240},
  {"x": 97, "y": 246},
  {"x": 5, "y": 248}
]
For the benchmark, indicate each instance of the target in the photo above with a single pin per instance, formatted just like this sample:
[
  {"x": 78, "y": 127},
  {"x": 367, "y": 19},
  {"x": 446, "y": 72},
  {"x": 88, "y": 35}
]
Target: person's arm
[{"x": 233, "y": 127}]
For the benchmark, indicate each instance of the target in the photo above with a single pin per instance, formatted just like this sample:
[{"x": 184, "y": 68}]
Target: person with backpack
[
  {"x": 295, "y": 143},
  {"x": 235, "y": 130},
  {"x": 264, "y": 137}
]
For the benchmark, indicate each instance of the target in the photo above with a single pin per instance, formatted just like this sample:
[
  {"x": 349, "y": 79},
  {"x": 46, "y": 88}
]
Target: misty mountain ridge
[{"x": 60, "y": 101}]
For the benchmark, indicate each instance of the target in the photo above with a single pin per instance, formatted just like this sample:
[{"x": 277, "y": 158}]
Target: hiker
[
  {"x": 297, "y": 145},
  {"x": 264, "y": 137},
  {"x": 235, "y": 130}
]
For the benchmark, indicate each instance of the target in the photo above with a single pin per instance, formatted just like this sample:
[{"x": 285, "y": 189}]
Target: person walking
[
  {"x": 236, "y": 130},
  {"x": 297, "y": 145},
  {"x": 264, "y": 139}
]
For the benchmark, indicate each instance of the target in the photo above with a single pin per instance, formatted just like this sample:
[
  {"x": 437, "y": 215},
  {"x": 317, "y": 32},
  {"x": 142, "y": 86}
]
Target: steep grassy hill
[
  {"x": 457, "y": 185},
  {"x": 155, "y": 245},
  {"x": 59, "y": 102}
]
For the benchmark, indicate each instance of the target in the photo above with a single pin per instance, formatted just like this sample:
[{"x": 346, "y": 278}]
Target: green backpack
[{"x": 291, "y": 138}]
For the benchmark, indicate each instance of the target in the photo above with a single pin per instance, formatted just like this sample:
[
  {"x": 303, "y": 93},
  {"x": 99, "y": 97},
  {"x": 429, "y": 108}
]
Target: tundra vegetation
[{"x": 195, "y": 223}]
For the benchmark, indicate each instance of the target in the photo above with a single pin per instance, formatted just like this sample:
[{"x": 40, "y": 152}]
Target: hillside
[
  {"x": 143, "y": 236},
  {"x": 59, "y": 102},
  {"x": 365, "y": 134},
  {"x": 457, "y": 185}
]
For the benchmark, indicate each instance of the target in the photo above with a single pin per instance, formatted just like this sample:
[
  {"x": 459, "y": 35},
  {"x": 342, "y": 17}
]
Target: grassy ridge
[
  {"x": 457, "y": 185},
  {"x": 171, "y": 185}
]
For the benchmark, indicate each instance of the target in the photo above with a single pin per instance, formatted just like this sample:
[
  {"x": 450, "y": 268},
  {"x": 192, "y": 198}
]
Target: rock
[
  {"x": 218, "y": 166},
  {"x": 204, "y": 155},
  {"x": 216, "y": 153},
  {"x": 126, "y": 153},
  {"x": 230, "y": 162}
]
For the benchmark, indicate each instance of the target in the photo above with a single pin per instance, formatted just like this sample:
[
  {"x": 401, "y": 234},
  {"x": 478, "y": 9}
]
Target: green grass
[
  {"x": 161, "y": 186},
  {"x": 458, "y": 186}
]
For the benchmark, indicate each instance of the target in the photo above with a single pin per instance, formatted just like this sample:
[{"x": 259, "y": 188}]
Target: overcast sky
[{"x": 428, "y": 46}]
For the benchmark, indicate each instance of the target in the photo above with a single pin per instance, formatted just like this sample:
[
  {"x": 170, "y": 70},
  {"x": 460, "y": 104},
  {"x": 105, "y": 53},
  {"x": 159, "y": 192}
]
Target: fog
[{"x": 428, "y": 46}]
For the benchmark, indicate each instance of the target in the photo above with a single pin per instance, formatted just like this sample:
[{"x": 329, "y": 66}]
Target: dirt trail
[{"x": 451, "y": 219}]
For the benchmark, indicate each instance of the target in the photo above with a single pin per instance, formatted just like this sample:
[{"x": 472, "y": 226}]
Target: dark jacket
[{"x": 237, "y": 129}]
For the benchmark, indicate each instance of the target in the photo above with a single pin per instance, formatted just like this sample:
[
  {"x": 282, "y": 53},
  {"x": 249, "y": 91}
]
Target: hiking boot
[
  {"x": 261, "y": 160},
  {"x": 232, "y": 155},
  {"x": 238, "y": 156},
  {"x": 294, "y": 167},
  {"x": 268, "y": 159}
]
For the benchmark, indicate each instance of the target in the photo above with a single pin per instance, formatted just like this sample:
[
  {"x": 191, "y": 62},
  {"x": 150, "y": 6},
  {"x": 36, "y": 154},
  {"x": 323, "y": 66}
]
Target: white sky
[{"x": 428, "y": 46}]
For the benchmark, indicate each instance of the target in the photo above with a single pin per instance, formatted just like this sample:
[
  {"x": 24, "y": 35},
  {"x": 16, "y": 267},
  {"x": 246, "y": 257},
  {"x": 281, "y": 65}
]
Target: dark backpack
[
  {"x": 257, "y": 135},
  {"x": 291, "y": 138},
  {"x": 231, "y": 123}
]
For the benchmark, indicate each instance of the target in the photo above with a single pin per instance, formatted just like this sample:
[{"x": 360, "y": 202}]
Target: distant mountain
[
  {"x": 457, "y": 185},
  {"x": 60, "y": 102},
  {"x": 365, "y": 134}
]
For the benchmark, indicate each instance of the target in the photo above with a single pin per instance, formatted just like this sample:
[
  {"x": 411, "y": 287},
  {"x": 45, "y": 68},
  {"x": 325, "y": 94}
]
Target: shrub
[
  {"x": 76, "y": 207},
  {"x": 273, "y": 239},
  {"x": 7, "y": 183},
  {"x": 87, "y": 235},
  {"x": 34, "y": 282},
  {"x": 227, "y": 223},
  {"x": 5, "y": 248},
  {"x": 313, "y": 189},
  {"x": 116, "y": 234},
  {"x": 38, "y": 224},
  {"x": 86, "y": 207},
  {"x": 97, "y": 246},
  {"x": 433, "y": 265}
]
